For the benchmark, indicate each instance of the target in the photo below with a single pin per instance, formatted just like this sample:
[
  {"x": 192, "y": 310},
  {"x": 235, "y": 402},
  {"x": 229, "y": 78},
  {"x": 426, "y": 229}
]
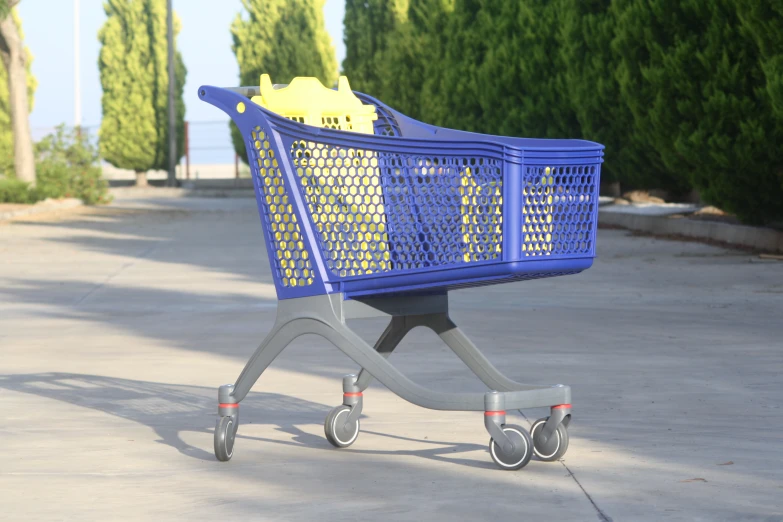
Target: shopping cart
[{"x": 386, "y": 224}]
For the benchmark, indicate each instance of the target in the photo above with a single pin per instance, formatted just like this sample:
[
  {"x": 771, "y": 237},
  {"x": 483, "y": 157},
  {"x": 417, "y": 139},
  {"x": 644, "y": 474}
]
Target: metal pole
[
  {"x": 236, "y": 165},
  {"x": 77, "y": 91},
  {"x": 172, "y": 178},
  {"x": 187, "y": 150}
]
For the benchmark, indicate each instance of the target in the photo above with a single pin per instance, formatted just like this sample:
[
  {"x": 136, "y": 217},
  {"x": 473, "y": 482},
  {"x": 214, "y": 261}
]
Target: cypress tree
[
  {"x": 697, "y": 92},
  {"x": 282, "y": 38},
  {"x": 133, "y": 65},
  {"x": 368, "y": 27},
  {"x": 587, "y": 30},
  {"x": 465, "y": 48},
  {"x": 522, "y": 81},
  {"x": 413, "y": 54},
  {"x": 6, "y": 136},
  {"x": 503, "y": 71},
  {"x": 14, "y": 57},
  {"x": 432, "y": 108},
  {"x": 762, "y": 22}
]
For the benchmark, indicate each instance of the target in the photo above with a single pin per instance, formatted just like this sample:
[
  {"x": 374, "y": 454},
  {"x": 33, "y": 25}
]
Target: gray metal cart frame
[{"x": 326, "y": 315}]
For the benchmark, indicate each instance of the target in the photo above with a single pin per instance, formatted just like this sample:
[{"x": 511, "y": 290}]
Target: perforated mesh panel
[
  {"x": 557, "y": 210},
  {"x": 344, "y": 196},
  {"x": 292, "y": 261},
  {"x": 438, "y": 206},
  {"x": 482, "y": 212},
  {"x": 377, "y": 212}
]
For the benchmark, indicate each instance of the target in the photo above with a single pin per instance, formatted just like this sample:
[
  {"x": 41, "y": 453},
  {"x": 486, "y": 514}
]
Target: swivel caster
[
  {"x": 555, "y": 446},
  {"x": 340, "y": 432},
  {"x": 521, "y": 453},
  {"x": 225, "y": 433},
  {"x": 227, "y": 423}
]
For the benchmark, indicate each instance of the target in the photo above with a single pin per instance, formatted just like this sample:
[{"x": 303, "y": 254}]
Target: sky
[{"x": 205, "y": 43}]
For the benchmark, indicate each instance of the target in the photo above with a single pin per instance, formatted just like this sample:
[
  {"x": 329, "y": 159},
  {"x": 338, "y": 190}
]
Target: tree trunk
[
  {"x": 13, "y": 56},
  {"x": 141, "y": 178}
]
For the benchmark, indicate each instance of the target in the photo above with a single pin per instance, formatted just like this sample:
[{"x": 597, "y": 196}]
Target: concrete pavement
[{"x": 118, "y": 323}]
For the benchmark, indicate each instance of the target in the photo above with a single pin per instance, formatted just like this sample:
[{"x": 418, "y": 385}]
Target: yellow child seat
[{"x": 351, "y": 222}]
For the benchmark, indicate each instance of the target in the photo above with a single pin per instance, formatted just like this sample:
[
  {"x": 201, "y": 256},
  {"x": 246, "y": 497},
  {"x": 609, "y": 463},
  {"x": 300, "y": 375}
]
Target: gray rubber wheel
[
  {"x": 523, "y": 449},
  {"x": 554, "y": 448},
  {"x": 339, "y": 434},
  {"x": 225, "y": 432}
]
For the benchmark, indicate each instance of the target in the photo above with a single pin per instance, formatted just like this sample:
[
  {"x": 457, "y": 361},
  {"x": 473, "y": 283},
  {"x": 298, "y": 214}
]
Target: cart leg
[
  {"x": 274, "y": 343},
  {"x": 230, "y": 395},
  {"x": 362, "y": 354},
  {"x": 397, "y": 329},
  {"x": 461, "y": 345},
  {"x": 341, "y": 426}
]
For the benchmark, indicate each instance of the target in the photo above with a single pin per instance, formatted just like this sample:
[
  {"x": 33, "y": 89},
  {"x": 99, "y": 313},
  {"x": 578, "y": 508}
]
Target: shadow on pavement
[
  {"x": 188, "y": 231},
  {"x": 171, "y": 410}
]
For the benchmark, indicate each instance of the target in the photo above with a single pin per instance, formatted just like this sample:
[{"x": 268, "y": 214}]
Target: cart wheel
[
  {"x": 554, "y": 448},
  {"x": 339, "y": 434},
  {"x": 523, "y": 449},
  {"x": 225, "y": 432}
]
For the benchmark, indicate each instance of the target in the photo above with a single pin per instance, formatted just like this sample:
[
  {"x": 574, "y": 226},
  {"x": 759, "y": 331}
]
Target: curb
[
  {"x": 757, "y": 238},
  {"x": 41, "y": 208}
]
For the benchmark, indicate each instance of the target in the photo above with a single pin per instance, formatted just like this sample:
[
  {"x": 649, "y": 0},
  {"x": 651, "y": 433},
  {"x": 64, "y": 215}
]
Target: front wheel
[
  {"x": 520, "y": 456},
  {"x": 225, "y": 432},
  {"x": 339, "y": 433}
]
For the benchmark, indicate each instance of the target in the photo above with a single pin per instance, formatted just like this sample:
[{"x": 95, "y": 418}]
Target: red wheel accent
[
  {"x": 561, "y": 407},
  {"x": 352, "y": 394},
  {"x": 221, "y": 405},
  {"x": 494, "y": 413}
]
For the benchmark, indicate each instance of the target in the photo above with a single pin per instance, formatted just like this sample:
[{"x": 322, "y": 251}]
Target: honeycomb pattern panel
[
  {"x": 378, "y": 212},
  {"x": 481, "y": 215},
  {"x": 343, "y": 192},
  {"x": 292, "y": 262},
  {"x": 441, "y": 210},
  {"x": 558, "y": 209}
]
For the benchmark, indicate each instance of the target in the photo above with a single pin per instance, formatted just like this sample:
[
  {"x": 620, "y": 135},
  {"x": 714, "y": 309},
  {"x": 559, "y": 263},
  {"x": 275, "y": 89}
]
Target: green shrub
[
  {"x": 16, "y": 191},
  {"x": 68, "y": 166}
]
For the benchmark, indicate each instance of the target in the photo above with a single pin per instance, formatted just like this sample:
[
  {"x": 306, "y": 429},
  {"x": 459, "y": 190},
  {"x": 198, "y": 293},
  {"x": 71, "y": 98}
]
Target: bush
[
  {"x": 16, "y": 191},
  {"x": 68, "y": 166}
]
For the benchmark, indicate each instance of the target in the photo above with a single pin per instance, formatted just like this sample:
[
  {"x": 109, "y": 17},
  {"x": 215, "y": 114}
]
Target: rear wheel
[{"x": 555, "y": 447}]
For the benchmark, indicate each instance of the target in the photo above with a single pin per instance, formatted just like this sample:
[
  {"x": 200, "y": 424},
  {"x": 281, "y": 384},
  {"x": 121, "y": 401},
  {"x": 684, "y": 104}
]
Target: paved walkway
[{"x": 117, "y": 324}]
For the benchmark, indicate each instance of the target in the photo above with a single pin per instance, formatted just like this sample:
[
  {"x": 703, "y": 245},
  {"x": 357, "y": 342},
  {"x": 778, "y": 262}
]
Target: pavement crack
[
  {"x": 603, "y": 517},
  {"x": 124, "y": 267}
]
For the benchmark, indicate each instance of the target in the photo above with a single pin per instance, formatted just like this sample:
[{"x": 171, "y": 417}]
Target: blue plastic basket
[{"x": 414, "y": 208}]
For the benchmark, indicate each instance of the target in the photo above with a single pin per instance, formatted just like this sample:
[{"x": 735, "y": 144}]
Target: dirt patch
[{"x": 12, "y": 207}]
